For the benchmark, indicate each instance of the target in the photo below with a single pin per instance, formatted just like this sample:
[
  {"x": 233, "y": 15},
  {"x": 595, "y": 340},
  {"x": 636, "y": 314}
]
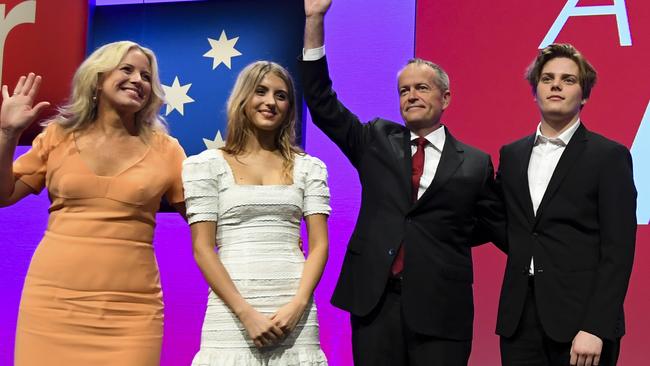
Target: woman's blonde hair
[
  {"x": 240, "y": 128},
  {"x": 81, "y": 110}
]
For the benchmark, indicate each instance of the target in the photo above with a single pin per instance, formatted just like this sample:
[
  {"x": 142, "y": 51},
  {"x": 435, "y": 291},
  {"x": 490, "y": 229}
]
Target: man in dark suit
[
  {"x": 571, "y": 227},
  {"x": 407, "y": 274}
]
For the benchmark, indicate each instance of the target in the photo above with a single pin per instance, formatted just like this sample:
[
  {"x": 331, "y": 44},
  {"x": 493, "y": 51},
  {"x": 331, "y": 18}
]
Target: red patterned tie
[{"x": 417, "y": 168}]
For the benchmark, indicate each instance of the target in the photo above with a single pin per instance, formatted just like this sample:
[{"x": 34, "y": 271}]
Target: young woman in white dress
[{"x": 248, "y": 199}]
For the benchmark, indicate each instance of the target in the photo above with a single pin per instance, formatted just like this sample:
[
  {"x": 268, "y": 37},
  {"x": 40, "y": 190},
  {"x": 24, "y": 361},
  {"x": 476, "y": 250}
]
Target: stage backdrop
[
  {"x": 35, "y": 36},
  {"x": 485, "y": 46}
]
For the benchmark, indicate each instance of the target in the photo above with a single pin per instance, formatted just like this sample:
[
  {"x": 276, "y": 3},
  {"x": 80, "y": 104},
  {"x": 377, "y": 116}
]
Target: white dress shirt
[
  {"x": 313, "y": 54},
  {"x": 543, "y": 160},
  {"x": 432, "y": 153}
]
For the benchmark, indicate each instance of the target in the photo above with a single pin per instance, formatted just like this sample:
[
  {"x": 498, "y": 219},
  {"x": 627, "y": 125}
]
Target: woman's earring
[{"x": 95, "y": 96}]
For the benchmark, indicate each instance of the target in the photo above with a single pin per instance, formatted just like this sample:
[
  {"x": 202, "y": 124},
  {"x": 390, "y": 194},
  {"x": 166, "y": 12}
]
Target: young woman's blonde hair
[
  {"x": 81, "y": 110},
  {"x": 240, "y": 127}
]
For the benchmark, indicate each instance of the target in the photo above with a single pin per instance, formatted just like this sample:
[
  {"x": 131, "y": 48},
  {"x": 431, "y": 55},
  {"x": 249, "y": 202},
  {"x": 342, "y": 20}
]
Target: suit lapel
[
  {"x": 522, "y": 154},
  {"x": 450, "y": 159},
  {"x": 569, "y": 157},
  {"x": 400, "y": 142}
]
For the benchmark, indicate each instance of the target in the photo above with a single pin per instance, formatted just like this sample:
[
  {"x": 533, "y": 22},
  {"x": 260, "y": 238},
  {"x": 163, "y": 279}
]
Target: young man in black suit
[
  {"x": 571, "y": 227},
  {"x": 407, "y": 274}
]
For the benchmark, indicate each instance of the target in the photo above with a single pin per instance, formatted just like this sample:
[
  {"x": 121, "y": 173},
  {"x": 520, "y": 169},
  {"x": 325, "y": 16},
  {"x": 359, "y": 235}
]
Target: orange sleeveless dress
[{"x": 92, "y": 294}]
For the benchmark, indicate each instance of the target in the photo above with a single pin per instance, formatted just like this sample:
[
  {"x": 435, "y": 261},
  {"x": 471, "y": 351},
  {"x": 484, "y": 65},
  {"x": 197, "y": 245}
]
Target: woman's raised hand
[{"x": 18, "y": 110}]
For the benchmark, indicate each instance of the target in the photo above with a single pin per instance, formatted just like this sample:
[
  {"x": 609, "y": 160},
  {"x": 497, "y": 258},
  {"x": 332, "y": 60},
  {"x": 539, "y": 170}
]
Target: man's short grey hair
[{"x": 442, "y": 79}]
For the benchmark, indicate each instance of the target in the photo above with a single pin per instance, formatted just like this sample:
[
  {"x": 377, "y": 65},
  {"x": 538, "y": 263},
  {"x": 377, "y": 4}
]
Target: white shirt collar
[
  {"x": 436, "y": 138},
  {"x": 562, "y": 139}
]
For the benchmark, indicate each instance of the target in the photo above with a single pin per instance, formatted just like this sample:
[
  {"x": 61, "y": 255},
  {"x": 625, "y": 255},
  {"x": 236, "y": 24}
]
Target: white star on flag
[
  {"x": 216, "y": 143},
  {"x": 176, "y": 96},
  {"x": 222, "y": 50}
]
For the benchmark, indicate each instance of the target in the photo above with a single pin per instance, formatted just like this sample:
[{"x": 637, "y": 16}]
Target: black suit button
[
  {"x": 535, "y": 234},
  {"x": 391, "y": 252}
]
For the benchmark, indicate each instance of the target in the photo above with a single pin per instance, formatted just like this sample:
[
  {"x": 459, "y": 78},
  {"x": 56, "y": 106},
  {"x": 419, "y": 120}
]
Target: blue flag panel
[{"x": 201, "y": 47}]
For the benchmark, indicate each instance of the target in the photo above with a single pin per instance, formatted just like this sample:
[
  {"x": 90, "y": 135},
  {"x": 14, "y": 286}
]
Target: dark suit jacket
[
  {"x": 436, "y": 230},
  {"x": 582, "y": 237}
]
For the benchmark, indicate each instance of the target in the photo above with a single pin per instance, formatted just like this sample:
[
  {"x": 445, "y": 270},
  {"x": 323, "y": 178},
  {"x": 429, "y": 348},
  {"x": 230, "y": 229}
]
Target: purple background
[{"x": 378, "y": 39}]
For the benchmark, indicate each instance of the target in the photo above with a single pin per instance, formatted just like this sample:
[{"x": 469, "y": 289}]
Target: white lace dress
[{"x": 258, "y": 228}]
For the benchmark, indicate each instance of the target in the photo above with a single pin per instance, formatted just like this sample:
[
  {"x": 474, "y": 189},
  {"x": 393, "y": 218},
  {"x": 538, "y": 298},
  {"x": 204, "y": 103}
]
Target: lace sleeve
[
  {"x": 201, "y": 185},
  {"x": 316, "y": 193}
]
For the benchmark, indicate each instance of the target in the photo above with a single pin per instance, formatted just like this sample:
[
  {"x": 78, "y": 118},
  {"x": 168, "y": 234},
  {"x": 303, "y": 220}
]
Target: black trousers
[
  {"x": 382, "y": 338},
  {"x": 530, "y": 346}
]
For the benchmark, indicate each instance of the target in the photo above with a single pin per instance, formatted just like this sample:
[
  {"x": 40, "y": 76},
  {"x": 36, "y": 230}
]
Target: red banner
[
  {"x": 485, "y": 46},
  {"x": 45, "y": 37}
]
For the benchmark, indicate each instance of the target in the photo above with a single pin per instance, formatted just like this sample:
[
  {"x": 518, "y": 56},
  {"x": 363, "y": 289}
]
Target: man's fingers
[
  {"x": 596, "y": 360},
  {"x": 581, "y": 360},
  {"x": 574, "y": 358}
]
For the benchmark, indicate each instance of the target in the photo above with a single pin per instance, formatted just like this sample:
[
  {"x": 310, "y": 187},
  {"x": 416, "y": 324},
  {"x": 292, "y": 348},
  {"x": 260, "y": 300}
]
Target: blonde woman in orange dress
[{"x": 92, "y": 293}]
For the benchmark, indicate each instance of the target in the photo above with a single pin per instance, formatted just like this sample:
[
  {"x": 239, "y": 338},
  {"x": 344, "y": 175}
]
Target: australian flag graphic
[{"x": 201, "y": 47}]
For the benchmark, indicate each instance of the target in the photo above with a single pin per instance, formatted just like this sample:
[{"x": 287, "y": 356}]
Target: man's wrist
[{"x": 315, "y": 17}]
